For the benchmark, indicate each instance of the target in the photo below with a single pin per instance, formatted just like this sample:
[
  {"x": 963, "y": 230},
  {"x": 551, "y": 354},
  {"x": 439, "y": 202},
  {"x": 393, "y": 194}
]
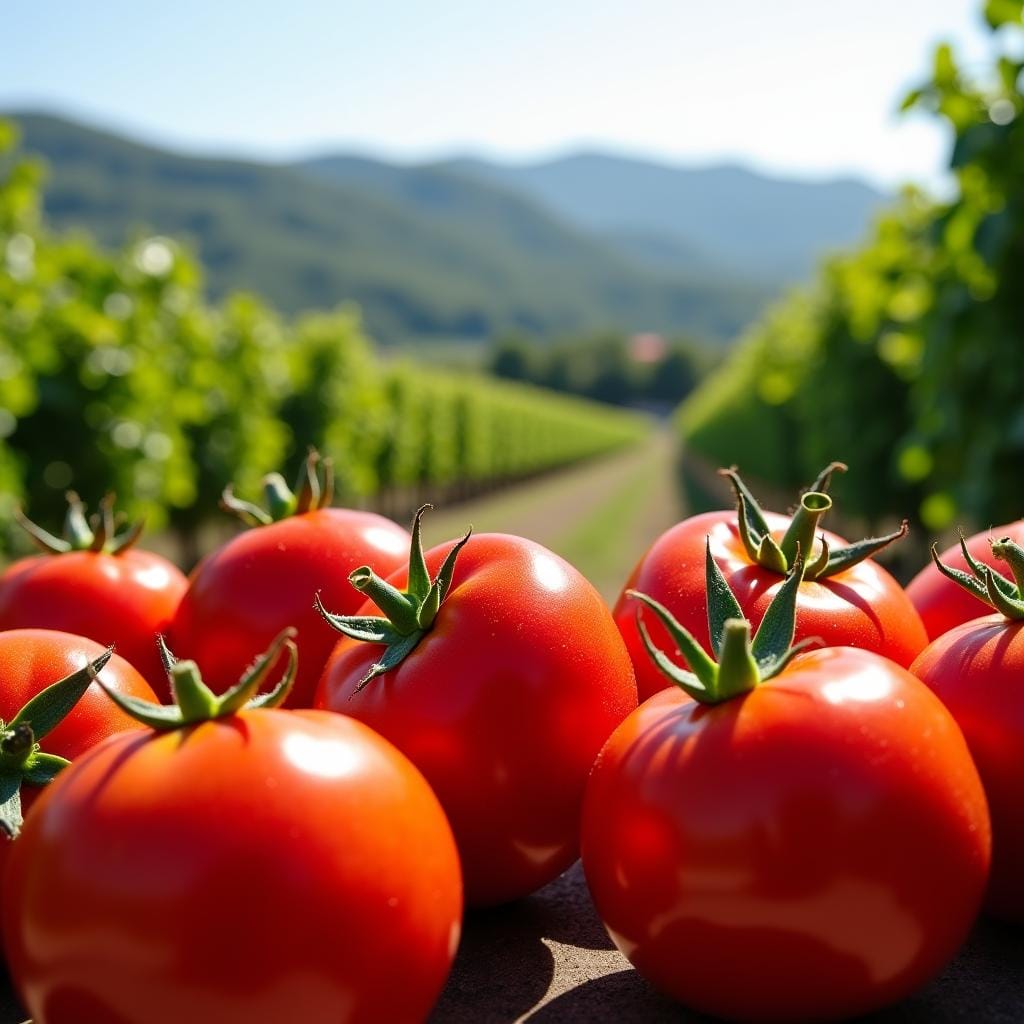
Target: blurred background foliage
[
  {"x": 905, "y": 358},
  {"x": 115, "y": 374}
]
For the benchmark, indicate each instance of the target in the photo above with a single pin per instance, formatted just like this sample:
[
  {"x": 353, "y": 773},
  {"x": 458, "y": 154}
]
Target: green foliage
[
  {"x": 116, "y": 375},
  {"x": 905, "y": 358}
]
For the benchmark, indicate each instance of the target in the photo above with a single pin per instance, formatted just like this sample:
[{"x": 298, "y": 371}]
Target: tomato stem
[
  {"x": 195, "y": 702},
  {"x": 408, "y": 614},
  {"x": 1013, "y": 555},
  {"x": 762, "y": 549},
  {"x": 742, "y": 665},
  {"x": 800, "y": 534},
  {"x": 987, "y": 585},
  {"x": 80, "y": 534},
  {"x": 314, "y": 490},
  {"x": 20, "y": 757}
]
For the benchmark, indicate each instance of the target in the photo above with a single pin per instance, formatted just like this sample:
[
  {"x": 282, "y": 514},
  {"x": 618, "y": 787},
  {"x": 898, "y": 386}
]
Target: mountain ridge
[{"x": 429, "y": 250}]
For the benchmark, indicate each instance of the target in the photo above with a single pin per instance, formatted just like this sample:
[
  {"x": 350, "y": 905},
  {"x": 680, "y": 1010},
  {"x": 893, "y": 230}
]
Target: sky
[{"x": 805, "y": 88}]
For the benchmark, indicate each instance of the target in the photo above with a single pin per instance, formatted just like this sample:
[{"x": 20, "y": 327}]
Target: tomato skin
[
  {"x": 503, "y": 706},
  {"x": 860, "y": 607},
  {"x": 124, "y": 599},
  {"x": 267, "y": 867},
  {"x": 242, "y": 595},
  {"x": 812, "y": 850},
  {"x": 32, "y": 659},
  {"x": 977, "y": 670},
  {"x": 940, "y": 602}
]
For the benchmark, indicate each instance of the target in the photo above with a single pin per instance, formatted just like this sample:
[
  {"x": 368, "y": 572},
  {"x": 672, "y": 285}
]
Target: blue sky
[{"x": 802, "y": 87}]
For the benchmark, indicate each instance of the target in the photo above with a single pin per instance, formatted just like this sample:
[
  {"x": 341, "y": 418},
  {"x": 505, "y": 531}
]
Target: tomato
[
  {"x": 788, "y": 841},
  {"x": 33, "y": 659},
  {"x": 860, "y": 606},
  {"x": 938, "y": 600},
  {"x": 260, "y": 866},
  {"x": 107, "y": 591},
  {"x": 977, "y": 670},
  {"x": 502, "y": 702},
  {"x": 243, "y": 594}
]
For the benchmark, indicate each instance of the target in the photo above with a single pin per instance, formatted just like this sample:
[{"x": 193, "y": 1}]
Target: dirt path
[{"x": 600, "y": 516}]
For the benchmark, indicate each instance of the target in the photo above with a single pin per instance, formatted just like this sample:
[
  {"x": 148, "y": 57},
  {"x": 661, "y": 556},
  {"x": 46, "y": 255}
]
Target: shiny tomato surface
[
  {"x": 810, "y": 851},
  {"x": 33, "y": 659},
  {"x": 124, "y": 599},
  {"x": 940, "y": 602},
  {"x": 860, "y": 607},
  {"x": 273, "y": 866},
  {"x": 977, "y": 670},
  {"x": 503, "y": 706},
  {"x": 243, "y": 594}
]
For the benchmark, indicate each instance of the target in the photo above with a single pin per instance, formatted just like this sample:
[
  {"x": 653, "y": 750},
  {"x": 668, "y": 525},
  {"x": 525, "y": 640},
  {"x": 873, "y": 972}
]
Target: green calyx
[
  {"x": 408, "y": 614},
  {"x": 741, "y": 664},
  {"x": 780, "y": 555},
  {"x": 21, "y": 759},
  {"x": 98, "y": 532},
  {"x": 1004, "y": 595},
  {"x": 195, "y": 702},
  {"x": 314, "y": 490}
]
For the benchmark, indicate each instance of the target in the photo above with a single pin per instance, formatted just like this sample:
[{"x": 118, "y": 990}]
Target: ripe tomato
[
  {"x": 938, "y": 600},
  {"x": 503, "y": 702},
  {"x": 246, "y": 592},
  {"x": 977, "y": 670},
  {"x": 33, "y": 659},
  {"x": 96, "y": 585},
  {"x": 260, "y": 867},
  {"x": 811, "y": 850},
  {"x": 860, "y": 606}
]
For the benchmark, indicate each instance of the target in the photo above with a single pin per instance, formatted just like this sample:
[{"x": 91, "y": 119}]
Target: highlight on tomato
[
  {"x": 772, "y": 837},
  {"x": 52, "y": 710},
  {"x": 846, "y": 598},
  {"x": 243, "y": 594},
  {"x": 977, "y": 670},
  {"x": 94, "y": 582},
  {"x": 940, "y": 601},
  {"x": 234, "y": 862},
  {"x": 497, "y": 669}
]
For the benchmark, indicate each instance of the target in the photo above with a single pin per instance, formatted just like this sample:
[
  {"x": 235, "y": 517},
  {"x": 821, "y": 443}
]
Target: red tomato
[
  {"x": 939, "y": 601},
  {"x": 124, "y": 599},
  {"x": 862, "y": 606},
  {"x": 811, "y": 850},
  {"x": 33, "y": 659},
  {"x": 977, "y": 670},
  {"x": 266, "y": 867},
  {"x": 241, "y": 596},
  {"x": 503, "y": 705}
]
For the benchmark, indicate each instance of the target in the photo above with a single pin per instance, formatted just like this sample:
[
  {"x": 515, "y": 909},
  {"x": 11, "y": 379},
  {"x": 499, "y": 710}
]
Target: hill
[
  {"x": 751, "y": 225},
  {"x": 426, "y": 252}
]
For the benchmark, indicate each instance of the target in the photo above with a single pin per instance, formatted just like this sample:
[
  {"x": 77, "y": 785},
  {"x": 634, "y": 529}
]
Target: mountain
[
  {"x": 754, "y": 226},
  {"x": 427, "y": 252}
]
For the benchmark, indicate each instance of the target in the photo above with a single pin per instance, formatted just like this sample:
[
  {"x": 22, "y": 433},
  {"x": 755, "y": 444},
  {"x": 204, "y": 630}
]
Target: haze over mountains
[{"x": 463, "y": 249}]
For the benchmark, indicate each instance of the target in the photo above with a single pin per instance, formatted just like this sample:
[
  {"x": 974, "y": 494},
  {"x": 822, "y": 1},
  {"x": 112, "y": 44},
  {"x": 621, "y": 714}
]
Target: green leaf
[
  {"x": 722, "y": 603},
  {"x": 393, "y": 657},
  {"x": 373, "y": 629},
  {"x": 686, "y": 681},
  {"x": 419, "y": 578},
  {"x": 10, "y": 803},
  {"x": 775, "y": 634},
  {"x": 51, "y": 706},
  {"x": 751, "y": 511},
  {"x": 696, "y": 657},
  {"x": 249, "y": 685},
  {"x": 41, "y": 769},
  {"x": 843, "y": 558}
]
